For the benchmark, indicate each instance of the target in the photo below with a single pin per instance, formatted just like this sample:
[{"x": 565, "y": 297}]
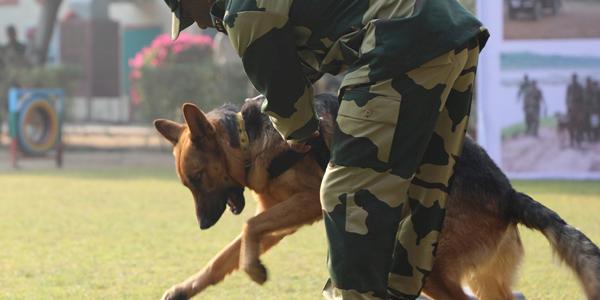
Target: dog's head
[{"x": 202, "y": 166}]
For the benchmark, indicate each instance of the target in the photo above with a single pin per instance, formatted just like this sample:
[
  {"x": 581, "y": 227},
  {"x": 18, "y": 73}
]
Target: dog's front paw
[
  {"x": 175, "y": 293},
  {"x": 257, "y": 272}
]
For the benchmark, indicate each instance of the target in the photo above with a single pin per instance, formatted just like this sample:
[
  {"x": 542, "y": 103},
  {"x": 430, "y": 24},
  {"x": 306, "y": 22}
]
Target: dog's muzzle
[{"x": 210, "y": 206}]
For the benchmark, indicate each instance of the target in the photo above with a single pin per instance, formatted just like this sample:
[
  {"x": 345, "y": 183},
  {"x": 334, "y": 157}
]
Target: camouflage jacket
[{"x": 287, "y": 45}]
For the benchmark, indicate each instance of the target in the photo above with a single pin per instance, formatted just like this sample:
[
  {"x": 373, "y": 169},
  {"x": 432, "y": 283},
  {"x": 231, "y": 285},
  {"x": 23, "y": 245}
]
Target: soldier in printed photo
[
  {"x": 523, "y": 87},
  {"x": 588, "y": 107},
  {"x": 532, "y": 105},
  {"x": 575, "y": 111},
  {"x": 595, "y": 111}
]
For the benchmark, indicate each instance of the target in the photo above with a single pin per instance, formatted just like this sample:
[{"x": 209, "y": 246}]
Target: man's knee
[{"x": 362, "y": 209}]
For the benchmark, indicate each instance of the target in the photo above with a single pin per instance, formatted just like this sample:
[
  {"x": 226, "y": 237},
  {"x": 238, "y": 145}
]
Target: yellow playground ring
[{"x": 38, "y": 127}]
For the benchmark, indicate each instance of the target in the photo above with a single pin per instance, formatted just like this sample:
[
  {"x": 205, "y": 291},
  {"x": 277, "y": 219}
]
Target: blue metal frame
[{"x": 17, "y": 97}]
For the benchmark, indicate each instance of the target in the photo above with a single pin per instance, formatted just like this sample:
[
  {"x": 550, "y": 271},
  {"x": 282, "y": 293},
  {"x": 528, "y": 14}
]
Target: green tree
[{"x": 45, "y": 29}]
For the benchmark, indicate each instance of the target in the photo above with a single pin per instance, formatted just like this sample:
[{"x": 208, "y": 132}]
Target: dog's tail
[{"x": 571, "y": 245}]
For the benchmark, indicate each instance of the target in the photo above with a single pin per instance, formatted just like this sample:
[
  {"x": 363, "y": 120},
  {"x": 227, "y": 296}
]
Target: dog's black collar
[{"x": 244, "y": 144}]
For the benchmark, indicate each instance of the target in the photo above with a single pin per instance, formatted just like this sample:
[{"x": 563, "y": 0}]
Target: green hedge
[
  {"x": 63, "y": 77},
  {"x": 166, "y": 88}
]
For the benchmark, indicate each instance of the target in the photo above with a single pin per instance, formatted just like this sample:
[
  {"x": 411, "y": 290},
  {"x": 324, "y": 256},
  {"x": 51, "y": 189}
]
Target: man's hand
[{"x": 302, "y": 147}]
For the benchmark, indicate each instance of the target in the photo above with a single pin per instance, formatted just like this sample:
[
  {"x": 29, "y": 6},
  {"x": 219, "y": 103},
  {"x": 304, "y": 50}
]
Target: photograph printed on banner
[
  {"x": 551, "y": 19},
  {"x": 550, "y": 112}
]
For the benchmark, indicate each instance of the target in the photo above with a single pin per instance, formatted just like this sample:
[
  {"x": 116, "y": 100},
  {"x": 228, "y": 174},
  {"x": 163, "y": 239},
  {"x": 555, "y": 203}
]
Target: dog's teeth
[{"x": 232, "y": 207}]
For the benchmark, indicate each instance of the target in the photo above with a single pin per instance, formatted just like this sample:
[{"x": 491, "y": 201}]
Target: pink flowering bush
[{"x": 168, "y": 73}]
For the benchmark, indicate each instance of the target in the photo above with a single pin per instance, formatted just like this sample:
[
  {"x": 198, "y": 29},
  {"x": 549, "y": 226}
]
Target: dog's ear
[
  {"x": 197, "y": 122},
  {"x": 169, "y": 130}
]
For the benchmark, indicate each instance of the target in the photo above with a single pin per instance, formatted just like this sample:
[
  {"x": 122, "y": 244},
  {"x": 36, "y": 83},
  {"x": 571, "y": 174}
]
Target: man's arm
[
  {"x": 265, "y": 42},
  {"x": 520, "y": 92}
]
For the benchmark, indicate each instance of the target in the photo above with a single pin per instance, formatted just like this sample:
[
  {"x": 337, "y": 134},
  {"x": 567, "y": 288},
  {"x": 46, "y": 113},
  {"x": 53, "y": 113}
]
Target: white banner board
[{"x": 538, "y": 87}]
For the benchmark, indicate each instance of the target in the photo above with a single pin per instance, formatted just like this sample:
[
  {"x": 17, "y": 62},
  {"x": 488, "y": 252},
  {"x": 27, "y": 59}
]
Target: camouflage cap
[{"x": 179, "y": 20}]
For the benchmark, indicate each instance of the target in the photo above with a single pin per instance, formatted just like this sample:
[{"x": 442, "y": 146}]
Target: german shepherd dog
[{"x": 220, "y": 153}]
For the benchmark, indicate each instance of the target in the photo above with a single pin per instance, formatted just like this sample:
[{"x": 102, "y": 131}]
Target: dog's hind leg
[
  {"x": 300, "y": 209},
  {"x": 493, "y": 281},
  {"x": 220, "y": 266}
]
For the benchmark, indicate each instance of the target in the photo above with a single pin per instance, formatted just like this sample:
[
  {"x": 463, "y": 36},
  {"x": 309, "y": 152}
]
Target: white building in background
[
  {"x": 138, "y": 21},
  {"x": 23, "y": 14},
  {"x": 141, "y": 13}
]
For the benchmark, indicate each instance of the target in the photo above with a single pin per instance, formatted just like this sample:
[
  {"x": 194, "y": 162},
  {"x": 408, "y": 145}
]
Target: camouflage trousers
[{"x": 384, "y": 192}]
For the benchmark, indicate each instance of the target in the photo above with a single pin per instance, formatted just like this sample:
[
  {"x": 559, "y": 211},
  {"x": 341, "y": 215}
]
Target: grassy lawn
[{"x": 132, "y": 234}]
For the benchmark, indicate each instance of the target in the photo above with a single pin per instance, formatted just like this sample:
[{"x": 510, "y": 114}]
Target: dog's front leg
[
  {"x": 300, "y": 209},
  {"x": 220, "y": 266}
]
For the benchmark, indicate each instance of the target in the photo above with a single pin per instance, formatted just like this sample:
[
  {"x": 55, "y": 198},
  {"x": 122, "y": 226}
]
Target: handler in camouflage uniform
[{"x": 404, "y": 111}]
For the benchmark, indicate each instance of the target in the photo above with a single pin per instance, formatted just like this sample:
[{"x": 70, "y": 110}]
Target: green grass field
[{"x": 132, "y": 234}]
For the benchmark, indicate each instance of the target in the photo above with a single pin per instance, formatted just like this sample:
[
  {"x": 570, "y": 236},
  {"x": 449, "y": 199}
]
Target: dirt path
[
  {"x": 100, "y": 147},
  {"x": 545, "y": 154},
  {"x": 95, "y": 160},
  {"x": 575, "y": 20}
]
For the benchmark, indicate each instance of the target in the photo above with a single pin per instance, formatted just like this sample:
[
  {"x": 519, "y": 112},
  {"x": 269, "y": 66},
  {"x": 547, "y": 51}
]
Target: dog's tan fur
[{"x": 479, "y": 246}]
